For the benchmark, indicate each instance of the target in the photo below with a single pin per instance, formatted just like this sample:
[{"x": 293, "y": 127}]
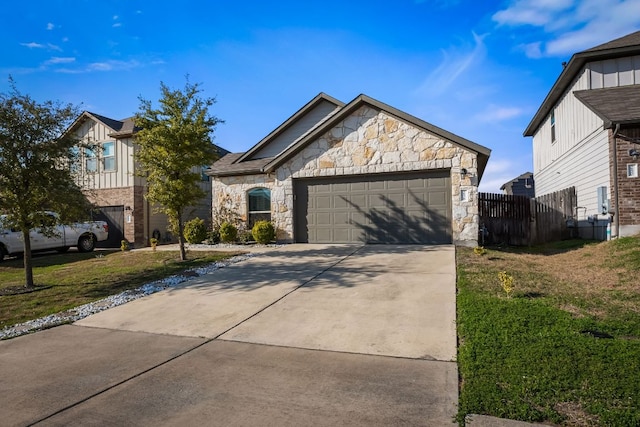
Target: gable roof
[
  {"x": 321, "y": 97},
  {"x": 235, "y": 166},
  {"x": 615, "y": 105},
  {"x": 122, "y": 128},
  {"x": 624, "y": 46},
  {"x": 526, "y": 175}
]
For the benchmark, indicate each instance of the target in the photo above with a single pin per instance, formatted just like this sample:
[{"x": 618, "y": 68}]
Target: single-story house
[{"x": 357, "y": 172}]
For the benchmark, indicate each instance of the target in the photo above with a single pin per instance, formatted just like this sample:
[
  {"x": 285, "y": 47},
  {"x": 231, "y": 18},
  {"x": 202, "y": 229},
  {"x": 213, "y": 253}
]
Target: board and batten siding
[
  {"x": 296, "y": 130},
  {"x": 614, "y": 72},
  {"x": 574, "y": 123},
  {"x": 585, "y": 167},
  {"x": 97, "y": 133}
]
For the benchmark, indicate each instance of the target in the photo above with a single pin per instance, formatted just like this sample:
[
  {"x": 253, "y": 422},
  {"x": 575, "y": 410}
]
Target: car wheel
[
  {"x": 3, "y": 253},
  {"x": 86, "y": 244}
]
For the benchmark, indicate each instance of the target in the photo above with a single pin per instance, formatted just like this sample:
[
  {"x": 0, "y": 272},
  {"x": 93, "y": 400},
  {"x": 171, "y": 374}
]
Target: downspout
[{"x": 616, "y": 212}]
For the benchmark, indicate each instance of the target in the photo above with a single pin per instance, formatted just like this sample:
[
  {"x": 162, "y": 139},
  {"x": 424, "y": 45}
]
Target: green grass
[
  {"x": 565, "y": 348},
  {"x": 72, "y": 279}
]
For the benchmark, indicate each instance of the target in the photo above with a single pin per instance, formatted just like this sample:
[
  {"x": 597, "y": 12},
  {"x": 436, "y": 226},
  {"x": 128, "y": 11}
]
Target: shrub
[
  {"x": 245, "y": 236},
  {"x": 213, "y": 237},
  {"x": 228, "y": 232},
  {"x": 195, "y": 231},
  {"x": 154, "y": 242},
  {"x": 263, "y": 232}
]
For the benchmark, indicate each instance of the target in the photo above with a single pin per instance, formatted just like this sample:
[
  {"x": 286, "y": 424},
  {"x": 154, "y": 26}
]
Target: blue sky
[{"x": 479, "y": 69}]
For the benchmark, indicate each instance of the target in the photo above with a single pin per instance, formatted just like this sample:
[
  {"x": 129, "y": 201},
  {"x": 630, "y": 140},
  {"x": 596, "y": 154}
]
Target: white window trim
[{"x": 632, "y": 170}]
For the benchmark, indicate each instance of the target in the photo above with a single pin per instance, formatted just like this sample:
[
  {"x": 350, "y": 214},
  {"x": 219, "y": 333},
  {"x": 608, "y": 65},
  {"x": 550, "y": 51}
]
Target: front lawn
[
  {"x": 72, "y": 279},
  {"x": 564, "y": 348}
]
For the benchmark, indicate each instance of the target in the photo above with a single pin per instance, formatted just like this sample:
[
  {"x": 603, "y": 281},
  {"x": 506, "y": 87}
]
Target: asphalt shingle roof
[{"x": 613, "y": 105}]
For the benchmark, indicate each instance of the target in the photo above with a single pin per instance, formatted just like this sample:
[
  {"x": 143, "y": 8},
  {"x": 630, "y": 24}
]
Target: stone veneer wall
[
  {"x": 628, "y": 188},
  {"x": 368, "y": 141}
]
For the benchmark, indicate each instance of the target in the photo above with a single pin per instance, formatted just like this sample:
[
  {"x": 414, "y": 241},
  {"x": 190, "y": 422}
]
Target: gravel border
[{"x": 85, "y": 310}]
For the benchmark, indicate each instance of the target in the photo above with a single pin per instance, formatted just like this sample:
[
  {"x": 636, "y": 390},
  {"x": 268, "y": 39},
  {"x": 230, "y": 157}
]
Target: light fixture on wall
[
  {"x": 463, "y": 172},
  {"x": 127, "y": 208},
  {"x": 634, "y": 153}
]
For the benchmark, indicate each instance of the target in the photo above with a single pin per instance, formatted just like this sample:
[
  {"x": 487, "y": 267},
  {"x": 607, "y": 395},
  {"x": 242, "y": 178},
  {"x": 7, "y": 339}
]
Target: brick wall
[
  {"x": 127, "y": 197},
  {"x": 628, "y": 188}
]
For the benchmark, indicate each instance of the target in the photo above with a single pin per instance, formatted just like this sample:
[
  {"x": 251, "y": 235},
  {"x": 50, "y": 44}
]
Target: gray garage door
[{"x": 381, "y": 208}]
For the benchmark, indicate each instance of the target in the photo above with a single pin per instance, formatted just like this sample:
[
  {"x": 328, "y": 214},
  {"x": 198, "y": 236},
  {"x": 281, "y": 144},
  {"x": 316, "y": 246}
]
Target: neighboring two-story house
[
  {"x": 109, "y": 181},
  {"x": 522, "y": 185},
  {"x": 586, "y": 134}
]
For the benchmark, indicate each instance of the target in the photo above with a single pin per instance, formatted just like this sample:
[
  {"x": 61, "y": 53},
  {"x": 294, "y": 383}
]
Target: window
[
  {"x": 109, "y": 156},
  {"x": 259, "y": 205},
  {"x": 553, "y": 126},
  {"x": 203, "y": 174},
  {"x": 632, "y": 170},
  {"x": 464, "y": 195},
  {"x": 91, "y": 162}
]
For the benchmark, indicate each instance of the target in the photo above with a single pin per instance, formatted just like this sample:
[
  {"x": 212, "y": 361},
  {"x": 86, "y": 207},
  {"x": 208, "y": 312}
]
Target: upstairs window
[
  {"x": 109, "y": 156},
  {"x": 259, "y": 205},
  {"x": 90, "y": 161},
  {"x": 553, "y": 126}
]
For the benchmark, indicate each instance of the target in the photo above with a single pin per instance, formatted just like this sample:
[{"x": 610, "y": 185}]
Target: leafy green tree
[
  {"x": 36, "y": 166},
  {"x": 174, "y": 142}
]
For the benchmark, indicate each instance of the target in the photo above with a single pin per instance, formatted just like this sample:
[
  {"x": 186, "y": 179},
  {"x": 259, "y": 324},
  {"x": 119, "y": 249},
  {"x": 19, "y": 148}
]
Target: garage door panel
[{"x": 383, "y": 208}]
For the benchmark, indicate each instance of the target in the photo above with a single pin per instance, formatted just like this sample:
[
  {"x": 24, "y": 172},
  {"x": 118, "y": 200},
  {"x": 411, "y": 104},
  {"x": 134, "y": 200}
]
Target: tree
[
  {"x": 174, "y": 142},
  {"x": 36, "y": 166}
]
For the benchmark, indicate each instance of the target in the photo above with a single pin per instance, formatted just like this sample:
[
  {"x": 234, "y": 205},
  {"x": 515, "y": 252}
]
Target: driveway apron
[{"x": 299, "y": 335}]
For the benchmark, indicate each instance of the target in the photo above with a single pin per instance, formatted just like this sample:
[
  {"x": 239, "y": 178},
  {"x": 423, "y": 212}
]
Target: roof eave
[
  {"x": 574, "y": 66},
  {"x": 289, "y": 122},
  {"x": 482, "y": 152}
]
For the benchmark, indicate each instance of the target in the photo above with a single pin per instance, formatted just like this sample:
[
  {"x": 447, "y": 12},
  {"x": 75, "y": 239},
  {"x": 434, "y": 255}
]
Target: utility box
[{"x": 603, "y": 201}]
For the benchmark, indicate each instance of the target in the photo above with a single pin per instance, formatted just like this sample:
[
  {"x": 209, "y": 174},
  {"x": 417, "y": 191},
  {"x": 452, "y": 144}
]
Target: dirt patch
[{"x": 19, "y": 290}]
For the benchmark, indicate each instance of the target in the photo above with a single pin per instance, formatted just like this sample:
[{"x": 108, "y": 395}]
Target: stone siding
[{"x": 368, "y": 141}]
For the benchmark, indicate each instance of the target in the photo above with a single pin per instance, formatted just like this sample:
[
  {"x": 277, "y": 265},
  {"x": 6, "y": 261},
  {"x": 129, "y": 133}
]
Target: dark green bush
[
  {"x": 195, "y": 231},
  {"x": 228, "y": 232},
  {"x": 213, "y": 237},
  {"x": 263, "y": 232},
  {"x": 245, "y": 237}
]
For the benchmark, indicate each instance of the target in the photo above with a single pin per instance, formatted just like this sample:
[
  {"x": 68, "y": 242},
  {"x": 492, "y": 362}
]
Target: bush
[
  {"x": 195, "y": 231},
  {"x": 228, "y": 232},
  {"x": 263, "y": 232},
  {"x": 213, "y": 237},
  {"x": 245, "y": 236}
]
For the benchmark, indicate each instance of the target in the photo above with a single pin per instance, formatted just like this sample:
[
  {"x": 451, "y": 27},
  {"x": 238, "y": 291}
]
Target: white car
[{"x": 82, "y": 235}]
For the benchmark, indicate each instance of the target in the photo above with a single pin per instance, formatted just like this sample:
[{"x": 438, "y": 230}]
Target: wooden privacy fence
[{"x": 521, "y": 221}]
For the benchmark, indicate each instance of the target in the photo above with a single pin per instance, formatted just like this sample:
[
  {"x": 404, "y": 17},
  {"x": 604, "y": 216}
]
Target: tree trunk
[
  {"x": 28, "y": 266},
  {"x": 183, "y": 253}
]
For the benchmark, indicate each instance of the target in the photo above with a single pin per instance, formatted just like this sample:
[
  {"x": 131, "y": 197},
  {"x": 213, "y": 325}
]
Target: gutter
[{"x": 616, "y": 212}]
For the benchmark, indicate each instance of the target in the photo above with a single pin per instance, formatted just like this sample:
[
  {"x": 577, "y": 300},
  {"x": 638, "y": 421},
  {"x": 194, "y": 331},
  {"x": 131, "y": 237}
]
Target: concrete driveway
[{"x": 300, "y": 335}]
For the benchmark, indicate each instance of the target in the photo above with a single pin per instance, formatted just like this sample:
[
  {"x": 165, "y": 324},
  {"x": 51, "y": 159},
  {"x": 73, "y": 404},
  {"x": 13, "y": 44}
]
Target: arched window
[{"x": 259, "y": 205}]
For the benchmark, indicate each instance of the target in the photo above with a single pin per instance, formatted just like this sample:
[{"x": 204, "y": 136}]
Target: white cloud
[
  {"x": 33, "y": 45},
  {"x": 496, "y": 113},
  {"x": 532, "y": 50},
  {"x": 115, "y": 17},
  {"x": 453, "y": 65},
  {"x": 573, "y": 25},
  {"x": 531, "y": 12},
  {"x": 110, "y": 65},
  {"x": 50, "y": 26},
  {"x": 60, "y": 60},
  {"x": 117, "y": 24}
]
